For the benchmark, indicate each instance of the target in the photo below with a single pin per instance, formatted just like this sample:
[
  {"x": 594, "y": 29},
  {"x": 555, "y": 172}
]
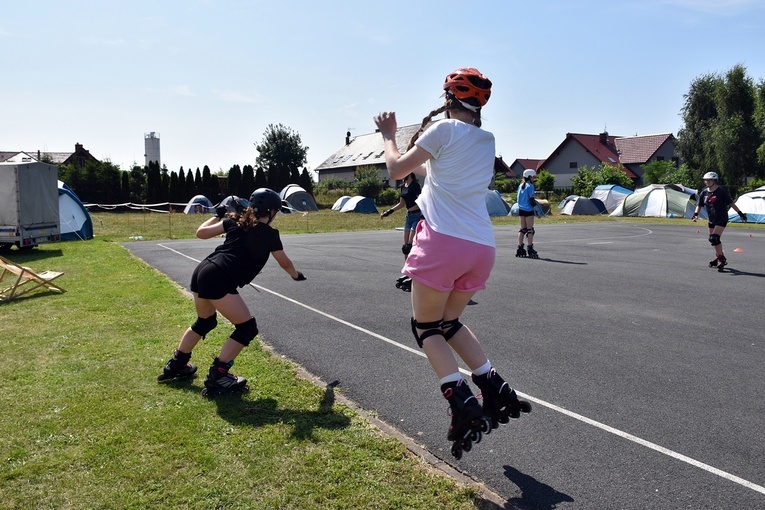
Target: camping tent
[
  {"x": 298, "y": 198},
  {"x": 611, "y": 195},
  {"x": 359, "y": 204},
  {"x": 199, "y": 203},
  {"x": 753, "y": 204},
  {"x": 539, "y": 208},
  {"x": 574, "y": 204},
  {"x": 74, "y": 218},
  {"x": 340, "y": 202},
  {"x": 495, "y": 204},
  {"x": 660, "y": 201}
]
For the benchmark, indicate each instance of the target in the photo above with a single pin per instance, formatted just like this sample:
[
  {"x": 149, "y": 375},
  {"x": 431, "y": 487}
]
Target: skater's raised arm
[
  {"x": 399, "y": 166},
  {"x": 211, "y": 228}
]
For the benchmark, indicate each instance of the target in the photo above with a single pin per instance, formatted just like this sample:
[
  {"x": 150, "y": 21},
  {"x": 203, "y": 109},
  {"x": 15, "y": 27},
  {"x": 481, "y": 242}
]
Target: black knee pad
[
  {"x": 714, "y": 239},
  {"x": 406, "y": 248},
  {"x": 203, "y": 326},
  {"x": 451, "y": 327},
  {"x": 431, "y": 328},
  {"x": 530, "y": 232},
  {"x": 524, "y": 231},
  {"x": 245, "y": 332}
]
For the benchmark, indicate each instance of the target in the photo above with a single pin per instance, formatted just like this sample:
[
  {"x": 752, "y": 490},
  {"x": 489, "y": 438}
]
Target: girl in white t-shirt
[{"x": 453, "y": 251}]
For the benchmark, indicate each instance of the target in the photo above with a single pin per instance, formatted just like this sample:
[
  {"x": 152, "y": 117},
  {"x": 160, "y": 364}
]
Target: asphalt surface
[{"x": 646, "y": 369}]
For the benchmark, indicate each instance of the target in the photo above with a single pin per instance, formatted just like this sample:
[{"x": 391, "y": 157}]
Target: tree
[
  {"x": 587, "y": 178},
  {"x": 722, "y": 131},
  {"x": 235, "y": 182},
  {"x": 546, "y": 181},
  {"x": 368, "y": 182},
  {"x": 280, "y": 155},
  {"x": 249, "y": 182}
]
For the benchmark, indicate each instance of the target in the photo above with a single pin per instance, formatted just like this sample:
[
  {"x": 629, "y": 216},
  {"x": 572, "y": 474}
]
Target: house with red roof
[{"x": 632, "y": 152}]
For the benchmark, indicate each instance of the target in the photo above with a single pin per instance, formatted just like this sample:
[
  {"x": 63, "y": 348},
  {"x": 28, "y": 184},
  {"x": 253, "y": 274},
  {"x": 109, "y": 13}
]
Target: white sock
[
  {"x": 483, "y": 369},
  {"x": 455, "y": 377}
]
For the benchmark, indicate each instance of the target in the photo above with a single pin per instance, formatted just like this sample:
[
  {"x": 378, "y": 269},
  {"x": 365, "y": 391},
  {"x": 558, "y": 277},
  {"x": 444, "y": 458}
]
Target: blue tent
[
  {"x": 76, "y": 224},
  {"x": 495, "y": 205}
]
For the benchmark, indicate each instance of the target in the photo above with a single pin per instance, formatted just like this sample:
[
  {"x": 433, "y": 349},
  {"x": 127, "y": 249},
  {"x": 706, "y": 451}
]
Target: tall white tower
[{"x": 151, "y": 148}]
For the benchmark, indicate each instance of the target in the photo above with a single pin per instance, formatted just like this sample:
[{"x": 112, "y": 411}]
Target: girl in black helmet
[
  {"x": 250, "y": 240},
  {"x": 453, "y": 251},
  {"x": 716, "y": 200}
]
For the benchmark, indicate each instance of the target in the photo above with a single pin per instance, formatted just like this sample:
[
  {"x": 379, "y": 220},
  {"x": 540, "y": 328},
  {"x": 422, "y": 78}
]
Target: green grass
[{"x": 86, "y": 425}]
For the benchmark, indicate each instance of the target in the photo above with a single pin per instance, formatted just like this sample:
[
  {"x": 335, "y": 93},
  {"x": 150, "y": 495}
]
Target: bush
[{"x": 388, "y": 196}]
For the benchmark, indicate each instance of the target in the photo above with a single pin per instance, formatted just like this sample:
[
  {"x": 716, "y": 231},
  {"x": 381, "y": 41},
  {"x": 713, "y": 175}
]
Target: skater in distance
[
  {"x": 453, "y": 250},
  {"x": 716, "y": 200},
  {"x": 410, "y": 190},
  {"x": 527, "y": 205},
  {"x": 250, "y": 240}
]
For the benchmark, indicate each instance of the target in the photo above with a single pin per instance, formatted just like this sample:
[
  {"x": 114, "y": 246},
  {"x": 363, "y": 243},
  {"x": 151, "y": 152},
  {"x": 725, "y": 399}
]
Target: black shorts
[
  {"x": 721, "y": 223},
  {"x": 210, "y": 282},
  {"x": 521, "y": 212}
]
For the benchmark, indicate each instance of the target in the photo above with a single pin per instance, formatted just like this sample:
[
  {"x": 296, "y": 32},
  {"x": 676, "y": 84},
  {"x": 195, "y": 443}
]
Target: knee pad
[
  {"x": 203, "y": 326},
  {"x": 245, "y": 332},
  {"x": 450, "y": 328},
  {"x": 431, "y": 328},
  {"x": 524, "y": 231},
  {"x": 530, "y": 231},
  {"x": 714, "y": 239},
  {"x": 406, "y": 248}
]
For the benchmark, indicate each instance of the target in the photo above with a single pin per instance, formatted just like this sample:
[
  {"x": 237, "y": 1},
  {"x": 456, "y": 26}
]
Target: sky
[{"x": 210, "y": 76}]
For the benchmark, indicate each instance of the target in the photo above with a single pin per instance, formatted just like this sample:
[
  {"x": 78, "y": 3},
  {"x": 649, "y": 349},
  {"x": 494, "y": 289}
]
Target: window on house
[
  {"x": 573, "y": 165},
  {"x": 659, "y": 158},
  {"x": 675, "y": 160}
]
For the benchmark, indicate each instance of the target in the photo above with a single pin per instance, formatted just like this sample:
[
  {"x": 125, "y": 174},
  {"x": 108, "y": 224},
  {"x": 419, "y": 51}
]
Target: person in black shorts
[
  {"x": 716, "y": 200},
  {"x": 250, "y": 240}
]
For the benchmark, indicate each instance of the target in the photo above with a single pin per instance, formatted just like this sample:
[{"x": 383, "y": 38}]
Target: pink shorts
[{"x": 447, "y": 263}]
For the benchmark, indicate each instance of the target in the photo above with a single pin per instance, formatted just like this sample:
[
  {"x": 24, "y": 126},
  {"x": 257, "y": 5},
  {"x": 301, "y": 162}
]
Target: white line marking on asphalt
[{"x": 624, "y": 435}]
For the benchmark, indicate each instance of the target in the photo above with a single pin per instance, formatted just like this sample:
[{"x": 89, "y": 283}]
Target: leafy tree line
[{"x": 281, "y": 154}]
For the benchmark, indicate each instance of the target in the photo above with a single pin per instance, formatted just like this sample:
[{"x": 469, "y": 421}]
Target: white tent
[
  {"x": 660, "y": 201},
  {"x": 74, "y": 218},
  {"x": 298, "y": 198},
  {"x": 753, "y": 204},
  {"x": 495, "y": 205},
  {"x": 340, "y": 202},
  {"x": 359, "y": 204},
  {"x": 611, "y": 195},
  {"x": 198, "y": 204}
]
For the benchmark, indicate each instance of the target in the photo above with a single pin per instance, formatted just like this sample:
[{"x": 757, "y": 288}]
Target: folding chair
[{"x": 23, "y": 280}]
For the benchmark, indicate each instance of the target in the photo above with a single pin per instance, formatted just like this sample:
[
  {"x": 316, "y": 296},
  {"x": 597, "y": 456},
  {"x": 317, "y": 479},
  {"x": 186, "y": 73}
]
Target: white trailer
[{"x": 28, "y": 205}]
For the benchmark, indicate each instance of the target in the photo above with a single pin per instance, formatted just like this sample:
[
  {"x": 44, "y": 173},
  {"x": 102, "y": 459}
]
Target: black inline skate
[
  {"x": 713, "y": 263},
  {"x": 404, "y": 283},
  {"x": 500, "y": 402},
  {"x": 468, "y": 423},
  {"x": 178, "y": 367},
  {"x": 220, "y": 381},
  {"x": 532, "y": 252},
  {"x": 520, "y": 252},
  {"x": 721, "y": 263}
]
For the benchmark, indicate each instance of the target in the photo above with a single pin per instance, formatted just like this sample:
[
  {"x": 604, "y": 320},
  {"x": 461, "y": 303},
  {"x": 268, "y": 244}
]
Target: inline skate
[
  {"x": 714, "y": 262},
  {"x": 468, "y": 423},
  {"x": 520, "y": 252},
  {"x": 500, "y": 402},
  {"x": 178, "y": 367},
  {"x": 532, "y": 252},
  {"x": 220, "y": 380},
  {"x": 404, "y": 283},
  {"x": 721, "y": 263}
]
